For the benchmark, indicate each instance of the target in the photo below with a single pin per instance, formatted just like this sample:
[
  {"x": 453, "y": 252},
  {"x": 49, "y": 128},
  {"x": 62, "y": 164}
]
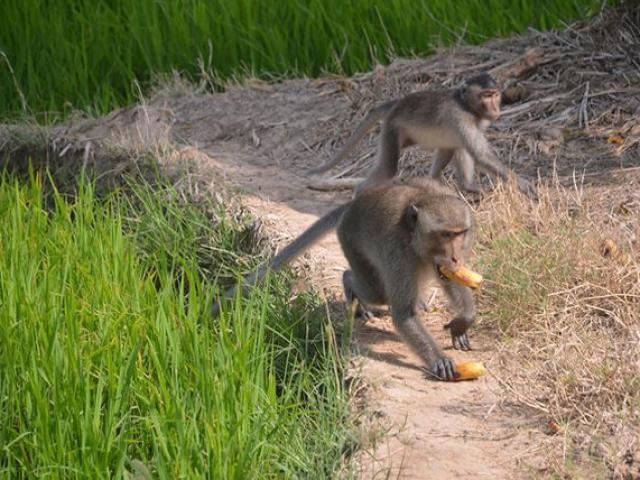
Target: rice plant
[
  {"x": 110, "y": 363},
  {"x": 93, "y": 55}
]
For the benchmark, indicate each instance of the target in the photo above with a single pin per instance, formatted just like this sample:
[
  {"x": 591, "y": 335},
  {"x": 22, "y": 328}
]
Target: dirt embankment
[{"x": 574, "y": 118}]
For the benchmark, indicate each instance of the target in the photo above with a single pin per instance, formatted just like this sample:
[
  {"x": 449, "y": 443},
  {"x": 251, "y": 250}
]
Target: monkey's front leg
[
  {"x": 417, "y": 337},
  {"x": 478, "y": 147},
  {"x": 464, "y": 307},
  {"x": 465, "y": 171}
]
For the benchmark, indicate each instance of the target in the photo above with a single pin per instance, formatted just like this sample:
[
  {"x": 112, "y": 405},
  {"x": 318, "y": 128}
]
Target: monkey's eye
[{"x": 447, "y": 235}]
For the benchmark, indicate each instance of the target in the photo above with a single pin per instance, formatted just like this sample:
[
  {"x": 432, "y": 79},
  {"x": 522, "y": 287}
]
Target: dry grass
[{"x": 569, "y": 316}]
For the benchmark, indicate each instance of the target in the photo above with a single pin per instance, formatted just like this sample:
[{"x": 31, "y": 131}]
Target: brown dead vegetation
[{"x": 569, "y": 318}]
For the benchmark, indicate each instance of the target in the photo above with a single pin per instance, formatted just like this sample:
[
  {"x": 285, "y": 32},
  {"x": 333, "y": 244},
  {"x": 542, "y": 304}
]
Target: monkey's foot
[
  {"x": 461, "y": 342},
  {"x": 363, "y": 313},
  {"x": 474, "y": 196},
  {"x": 355, "y": 307},
  {"x": 472, "y": 188},
  {"x": 357, "y": 310}
]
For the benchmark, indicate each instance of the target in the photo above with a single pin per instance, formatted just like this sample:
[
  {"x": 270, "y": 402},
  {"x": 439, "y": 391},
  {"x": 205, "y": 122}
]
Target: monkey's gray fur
[
  {"x": 395, "y": 235},
  {"x": 451, "y": 121}
]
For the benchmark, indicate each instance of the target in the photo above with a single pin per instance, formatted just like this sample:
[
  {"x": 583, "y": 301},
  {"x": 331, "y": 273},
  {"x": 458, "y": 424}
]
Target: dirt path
[{"x": 433, "y": 430}]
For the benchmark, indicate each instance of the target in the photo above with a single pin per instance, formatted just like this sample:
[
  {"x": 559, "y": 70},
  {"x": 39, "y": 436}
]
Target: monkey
[
  {"x": 395, "y": 236},
  {"x": 452, "y": 121}
]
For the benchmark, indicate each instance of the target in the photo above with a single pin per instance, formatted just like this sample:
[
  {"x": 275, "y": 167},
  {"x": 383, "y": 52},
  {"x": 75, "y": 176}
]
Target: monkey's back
[
  {"x": 432, "y": 106},
  {"x": 375, "y": 222},
  {"x": 373, "y": 229}
]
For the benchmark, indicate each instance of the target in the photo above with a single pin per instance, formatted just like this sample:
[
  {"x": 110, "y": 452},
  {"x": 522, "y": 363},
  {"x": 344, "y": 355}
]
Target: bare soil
[{"x": 578, "y": 119}]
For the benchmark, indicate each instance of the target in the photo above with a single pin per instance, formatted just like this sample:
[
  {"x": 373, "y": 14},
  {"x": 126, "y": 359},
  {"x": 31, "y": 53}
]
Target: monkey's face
[
  {"x": 442, "y": 231},
  {"x": 453, "y": 248},
  {"x": 491, "y": 103},
  {"x": 443, "y": 245},
  {"x": 484, "y": 102}
]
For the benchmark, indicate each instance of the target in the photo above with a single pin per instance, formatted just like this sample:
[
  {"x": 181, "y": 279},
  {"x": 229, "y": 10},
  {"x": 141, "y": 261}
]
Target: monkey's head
[
  {"x": 481, "y": 95},
  {"x": 441, "y": 230}
]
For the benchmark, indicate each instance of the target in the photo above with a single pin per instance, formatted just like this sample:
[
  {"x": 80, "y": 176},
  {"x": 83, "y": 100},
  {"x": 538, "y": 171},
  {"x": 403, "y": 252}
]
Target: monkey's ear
[
  {"x": 463, "y": 89},
  {"x": 411, "y": 216}
]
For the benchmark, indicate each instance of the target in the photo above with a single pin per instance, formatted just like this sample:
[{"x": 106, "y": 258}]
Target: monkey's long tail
[
  {"x": 372, "y": 117},
  {"x": 308, "y": 238}
]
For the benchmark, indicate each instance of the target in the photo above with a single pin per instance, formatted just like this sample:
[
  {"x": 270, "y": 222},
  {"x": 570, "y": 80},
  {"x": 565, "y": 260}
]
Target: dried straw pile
[{"x": 575, "y": 94}]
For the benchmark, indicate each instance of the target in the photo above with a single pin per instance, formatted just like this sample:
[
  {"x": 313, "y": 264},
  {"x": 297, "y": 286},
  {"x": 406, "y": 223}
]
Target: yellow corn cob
[
  {"x": 464, "y": 276},
  {"x": 470, "y": 370},
  {"x": 609, "y": 249}
]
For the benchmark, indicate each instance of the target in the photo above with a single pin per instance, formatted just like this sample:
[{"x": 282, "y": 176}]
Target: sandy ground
[{"x": 431, "y": 429}]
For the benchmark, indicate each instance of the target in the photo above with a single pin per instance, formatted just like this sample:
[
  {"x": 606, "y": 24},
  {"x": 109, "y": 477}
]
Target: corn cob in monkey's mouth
[{"x": 463, "y": 276}]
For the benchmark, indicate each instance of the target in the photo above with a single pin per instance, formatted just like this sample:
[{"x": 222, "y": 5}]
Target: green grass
[
  {"x": 89, "y": 54},
  {"x": 521, "y": 261},
  {"x": 110, "y": 362}
]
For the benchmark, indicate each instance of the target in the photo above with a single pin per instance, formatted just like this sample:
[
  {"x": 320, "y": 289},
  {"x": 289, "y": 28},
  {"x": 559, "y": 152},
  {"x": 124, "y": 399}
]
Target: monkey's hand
[
  {"x": 443, "y": 369},
  {"x": 458, "y": 328}
]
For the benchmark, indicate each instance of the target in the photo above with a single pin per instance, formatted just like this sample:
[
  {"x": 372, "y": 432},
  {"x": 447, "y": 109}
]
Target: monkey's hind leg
[
  {"x": 355, "y": 306},
  {"x": 442, "y": 159},
  {"x": 386, "y": 166}
]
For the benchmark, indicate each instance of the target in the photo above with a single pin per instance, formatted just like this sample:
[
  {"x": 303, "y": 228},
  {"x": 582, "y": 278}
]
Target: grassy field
[
  {"x": 59, "y": 55},
  {"x": 110, "y": 362}
]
